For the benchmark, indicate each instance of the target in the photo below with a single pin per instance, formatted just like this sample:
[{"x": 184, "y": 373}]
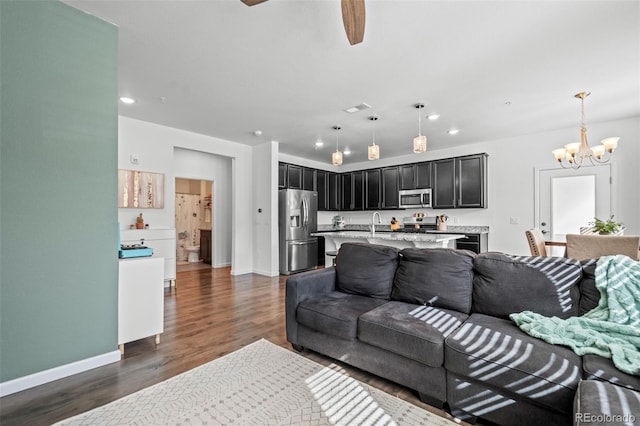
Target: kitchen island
[{"x": 333, "y": 240}]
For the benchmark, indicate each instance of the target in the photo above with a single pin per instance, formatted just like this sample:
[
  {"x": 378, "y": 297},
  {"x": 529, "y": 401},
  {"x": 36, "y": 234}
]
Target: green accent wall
[{"x": 58, "y": 178}]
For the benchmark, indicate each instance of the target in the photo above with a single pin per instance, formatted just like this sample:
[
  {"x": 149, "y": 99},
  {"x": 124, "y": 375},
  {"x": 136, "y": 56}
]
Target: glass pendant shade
[
  {"x": 420, "y": 144},
  {"x": 336, "y": 158},
  {"x": 374, "y": 152}
]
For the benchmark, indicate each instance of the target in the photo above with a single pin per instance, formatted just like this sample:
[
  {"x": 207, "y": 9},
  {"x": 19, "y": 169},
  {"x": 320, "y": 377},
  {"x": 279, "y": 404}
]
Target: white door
[{"x": 568, "y": 199}]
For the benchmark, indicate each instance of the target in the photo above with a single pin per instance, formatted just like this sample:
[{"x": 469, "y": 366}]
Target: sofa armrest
[{"x": 305, "y": 286}]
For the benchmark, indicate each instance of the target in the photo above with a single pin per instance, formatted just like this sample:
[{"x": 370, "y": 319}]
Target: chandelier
[
  {"x": 374, "y": 150},
  {"x": 336, "y": 157},
  {"x": 420, "y": 141},
  {"x": 574, "y": 155}
]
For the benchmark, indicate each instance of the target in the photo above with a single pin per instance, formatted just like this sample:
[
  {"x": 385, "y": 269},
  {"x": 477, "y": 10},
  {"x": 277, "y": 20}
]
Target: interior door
[{"x": 568, "y": 199}]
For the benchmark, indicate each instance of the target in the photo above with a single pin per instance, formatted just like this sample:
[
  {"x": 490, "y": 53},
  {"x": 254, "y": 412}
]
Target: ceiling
[{"x": 492, "y": 69}]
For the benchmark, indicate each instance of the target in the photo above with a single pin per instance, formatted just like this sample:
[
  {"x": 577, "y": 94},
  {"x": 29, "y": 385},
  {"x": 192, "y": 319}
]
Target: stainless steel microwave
[{"x": 415, "y": 198}]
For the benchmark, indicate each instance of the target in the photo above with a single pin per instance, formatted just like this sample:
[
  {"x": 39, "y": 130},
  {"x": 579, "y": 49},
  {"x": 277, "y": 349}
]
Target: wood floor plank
[{"x": 208, "y": 315}]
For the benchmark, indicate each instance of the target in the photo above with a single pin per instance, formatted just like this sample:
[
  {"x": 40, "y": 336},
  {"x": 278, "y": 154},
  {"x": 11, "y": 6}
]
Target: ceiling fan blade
[
  {"x": 353, "y": 17},
  {"x": 252, "y": 2}
]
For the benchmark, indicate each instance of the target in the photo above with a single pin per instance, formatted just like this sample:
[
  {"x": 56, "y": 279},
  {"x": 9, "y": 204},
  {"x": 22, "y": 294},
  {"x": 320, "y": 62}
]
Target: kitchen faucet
[{"x": 373, "y": 223}]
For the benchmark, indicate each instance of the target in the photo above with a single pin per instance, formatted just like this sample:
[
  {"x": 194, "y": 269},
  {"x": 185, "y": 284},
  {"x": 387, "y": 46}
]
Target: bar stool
[{"x": 333, "y": 255}]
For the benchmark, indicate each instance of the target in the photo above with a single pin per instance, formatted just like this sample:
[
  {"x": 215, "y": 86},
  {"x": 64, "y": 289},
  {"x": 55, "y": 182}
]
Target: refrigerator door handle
[
  {"x": 297, "y": 243},
  {"x": 305, "y": 213}
]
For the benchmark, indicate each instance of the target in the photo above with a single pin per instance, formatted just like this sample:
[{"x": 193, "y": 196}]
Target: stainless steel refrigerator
[{"x": 298, "y": 218}]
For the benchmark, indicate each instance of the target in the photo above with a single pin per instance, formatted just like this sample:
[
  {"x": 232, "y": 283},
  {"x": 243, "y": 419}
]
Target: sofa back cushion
[
  {"x": 589, "y": 294},
  {"x": 505, "y": 284},
  {"x": 442, "y": 278},
  {"x": 366, "y": 269}
]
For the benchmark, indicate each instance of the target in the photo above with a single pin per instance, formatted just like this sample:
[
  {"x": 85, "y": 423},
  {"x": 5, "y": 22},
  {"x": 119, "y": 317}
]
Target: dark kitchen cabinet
[
  {"x": 443, "y": 191},
  {"x": 334, "y": 191},
  {"x": 282, "y": 175},
  {"x": 308, "y": 179},
  {"x": 358, "y": 190},
  {"x": 460, "y": 182},
  {"x": 471, "y": 179},
  {"x": 205, "y": 245},
  {"x": 347, "y": 191},
  {"x": 390, "y": 196},
  {"x": 415, "y": 176},
  {"x": 322, "y": 186},
  {"x": 294, "y": 176},
  {"x": 477, "y": 243},
  {"x": 423, "y": 175},
  {"x": 372, "y": 189},
  {"x": 407, "y": 176}
]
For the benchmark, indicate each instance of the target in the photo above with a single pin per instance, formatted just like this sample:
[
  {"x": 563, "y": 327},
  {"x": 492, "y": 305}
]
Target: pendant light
[
  {"x": 574, "y": 155},
  {"x": 420, "y": 141},
  {"x": 374, "y": 150},
  {"x": 336, "y": 157}
]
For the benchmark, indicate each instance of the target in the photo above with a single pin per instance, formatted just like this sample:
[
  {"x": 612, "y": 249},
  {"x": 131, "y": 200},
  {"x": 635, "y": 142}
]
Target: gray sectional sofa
[{"x": 437, "y": 321}]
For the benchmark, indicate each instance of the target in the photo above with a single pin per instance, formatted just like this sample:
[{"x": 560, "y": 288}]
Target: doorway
[
  {"x": 193, "y": 223},
  {"x": 568, "y": 199}
]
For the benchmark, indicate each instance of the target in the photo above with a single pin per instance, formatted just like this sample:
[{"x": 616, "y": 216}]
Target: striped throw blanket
[{"x": 611, "y": 329}]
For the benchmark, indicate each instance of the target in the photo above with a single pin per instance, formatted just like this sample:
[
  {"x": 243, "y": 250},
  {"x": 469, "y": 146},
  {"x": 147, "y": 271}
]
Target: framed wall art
[{"x": 143, "y": 190}]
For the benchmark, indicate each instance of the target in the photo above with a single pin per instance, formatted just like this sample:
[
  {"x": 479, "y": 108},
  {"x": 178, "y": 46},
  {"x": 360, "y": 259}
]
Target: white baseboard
[
  {"x": 46, "y": 376},
  {"x": 266, "y": 273}
]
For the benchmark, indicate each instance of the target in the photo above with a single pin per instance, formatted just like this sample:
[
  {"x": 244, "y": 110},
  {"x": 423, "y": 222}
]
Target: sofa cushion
[
  {"x": 442, "y": 278},
  {"x": 335, "y": 313},
  {"x": 497, "y": 353},
  {"x": 589, "y": 294},
  {"x": 598, "y": 368},
  {"x": 505, "y": 284},
  {"x": 413, "y": 331},
  {"x": 601, "y": 403},
  {"x": 366, "y": 269}
]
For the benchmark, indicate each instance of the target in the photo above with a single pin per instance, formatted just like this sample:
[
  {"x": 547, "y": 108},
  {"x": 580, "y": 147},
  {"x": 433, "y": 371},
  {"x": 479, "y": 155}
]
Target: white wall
[
  {"x": 265, "y": 209},
  {"x": 511, "y": 181},
  {"x": 155, "y": 146},
  {"x": 203, "y": 166}
]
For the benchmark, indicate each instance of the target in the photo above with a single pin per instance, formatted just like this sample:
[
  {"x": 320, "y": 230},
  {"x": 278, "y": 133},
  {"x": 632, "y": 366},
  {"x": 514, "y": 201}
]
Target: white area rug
[{"x": 260, "y": 384}]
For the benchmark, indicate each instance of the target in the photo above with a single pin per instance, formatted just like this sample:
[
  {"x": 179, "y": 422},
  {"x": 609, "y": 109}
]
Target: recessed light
[
  {"x": 433, "y": 116},
  {"x": 319, "y": 144},
  {"x": 257, "y": 133},
  {"x": 126, "y": 100},
  {"x": 453, "y": 131},
  {"x": 347, "y": 151}
]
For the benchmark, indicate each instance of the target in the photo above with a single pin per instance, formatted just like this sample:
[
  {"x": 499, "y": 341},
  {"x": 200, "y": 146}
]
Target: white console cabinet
[
  {"x": 140, "y": 299},
  {"x": 163, "y": 243}
]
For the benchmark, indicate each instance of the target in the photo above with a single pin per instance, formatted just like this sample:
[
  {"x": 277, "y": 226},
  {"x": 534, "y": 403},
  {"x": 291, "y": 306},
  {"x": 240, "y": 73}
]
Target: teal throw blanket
[{"x": 611, "y": 329}]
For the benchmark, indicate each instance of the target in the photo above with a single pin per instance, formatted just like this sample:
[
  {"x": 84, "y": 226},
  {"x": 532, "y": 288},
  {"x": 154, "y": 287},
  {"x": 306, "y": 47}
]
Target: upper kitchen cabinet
[
  {"x": 460, "y": 182},
  {"x": 282, "y": 175},
  {"x": 415, "y": 176},
  {"x": 322, "y": 186},
  {"x": 407, "y": 176},
  {"x": 444, "y": 191},
  {"x": 358, "y": 190},
  {"x": 471, "y": 177},
  {"x": 334, "y": 191},
  {"x": 347, "y": 191},
  {"x": 308, "y": 179},
  {"x": 372, "y": 189},
  {"x": 423, "y": 175},
  {"x": 294, "y": 176},
  {"x": 390, "y": 196}
]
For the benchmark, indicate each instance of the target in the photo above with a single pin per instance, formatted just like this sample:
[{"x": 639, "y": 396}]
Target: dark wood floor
[{"x": 210, "y": 314}]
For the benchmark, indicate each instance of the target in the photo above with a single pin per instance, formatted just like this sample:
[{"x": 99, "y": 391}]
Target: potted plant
[{"x": 606, "y": 227}]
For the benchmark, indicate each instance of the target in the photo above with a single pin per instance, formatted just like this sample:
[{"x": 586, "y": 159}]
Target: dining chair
[
  {"x": 593, "y": 246},
  {"x": 537, "y": 243}
]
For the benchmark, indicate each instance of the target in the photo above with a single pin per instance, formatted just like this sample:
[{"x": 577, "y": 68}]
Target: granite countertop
[
  {"x": 391, "y": 236},
  {"x": 451, "y": 229}
]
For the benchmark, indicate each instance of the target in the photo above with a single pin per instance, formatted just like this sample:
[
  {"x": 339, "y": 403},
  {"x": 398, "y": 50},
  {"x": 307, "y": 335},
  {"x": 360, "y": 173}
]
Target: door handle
[
  {"x": 543, "y": 231},
  {"x": 297, "y": 243}
]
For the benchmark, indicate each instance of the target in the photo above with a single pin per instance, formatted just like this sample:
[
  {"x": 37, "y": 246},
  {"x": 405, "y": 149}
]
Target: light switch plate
[{"x": 514, "y": 220}]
